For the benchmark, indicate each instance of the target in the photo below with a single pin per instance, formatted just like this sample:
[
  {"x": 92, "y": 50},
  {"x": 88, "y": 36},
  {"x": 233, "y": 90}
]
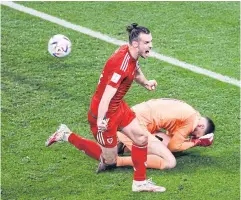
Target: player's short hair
[
  {"x": 210, "y": 126},
  {"x": 134, "y": 31}
]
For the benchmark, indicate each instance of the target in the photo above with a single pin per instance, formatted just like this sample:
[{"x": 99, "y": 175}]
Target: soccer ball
[{"x": 59, "y": 46}]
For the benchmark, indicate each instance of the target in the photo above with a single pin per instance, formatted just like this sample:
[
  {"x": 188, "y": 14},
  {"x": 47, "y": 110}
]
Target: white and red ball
[{"x": 59, "y": 46}]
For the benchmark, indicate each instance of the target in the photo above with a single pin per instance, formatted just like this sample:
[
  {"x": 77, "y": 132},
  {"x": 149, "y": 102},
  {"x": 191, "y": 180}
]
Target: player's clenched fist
[
  {"x": 151, "y": 85},
  {"x": 102, "y": 124}
]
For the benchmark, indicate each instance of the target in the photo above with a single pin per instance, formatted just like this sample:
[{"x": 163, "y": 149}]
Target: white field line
[{"x": 111, "y": 40}]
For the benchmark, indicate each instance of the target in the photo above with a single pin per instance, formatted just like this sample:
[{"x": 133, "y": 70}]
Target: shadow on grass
[{"x": 228, "y": 162}]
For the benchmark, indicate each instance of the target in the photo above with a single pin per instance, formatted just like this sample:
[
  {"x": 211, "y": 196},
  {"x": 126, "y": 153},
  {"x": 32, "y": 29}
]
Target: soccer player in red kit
[{"x": 109, "y": 113}]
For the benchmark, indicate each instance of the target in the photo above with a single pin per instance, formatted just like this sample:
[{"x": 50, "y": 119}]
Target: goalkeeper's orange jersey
[{"x": 177, "y": 117}]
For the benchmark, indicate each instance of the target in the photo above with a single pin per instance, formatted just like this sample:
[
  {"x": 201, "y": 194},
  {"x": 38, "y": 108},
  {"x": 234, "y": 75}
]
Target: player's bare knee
[
  {"x": 172, "y": 163},
  {"x": 168, "y": 163},
  {"x": 109, "y": 154}
]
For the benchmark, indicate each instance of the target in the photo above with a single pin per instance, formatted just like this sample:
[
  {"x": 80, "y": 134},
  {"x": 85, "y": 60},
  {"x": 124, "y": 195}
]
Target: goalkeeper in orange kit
[{"x": 184, "y": 126}]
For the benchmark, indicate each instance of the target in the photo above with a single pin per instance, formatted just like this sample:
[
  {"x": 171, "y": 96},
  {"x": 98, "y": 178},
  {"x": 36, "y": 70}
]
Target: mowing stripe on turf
[{"x": 111, "y": 40}]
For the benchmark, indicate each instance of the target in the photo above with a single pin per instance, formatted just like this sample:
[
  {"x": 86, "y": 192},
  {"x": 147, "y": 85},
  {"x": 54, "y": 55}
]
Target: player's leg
[
  {"x": 109, "y": 154},
  {"x": 153, "y": 162},
  {"x": 106, "y": 139},
  {"x": 159, "y": 156},
  {"x": 63, "y": 133},
  {"x": 89, "y": 147},
  {"x": 163, "y": 137},
  {"x": 158, "y": 148},
  {"x": 139, "y": 158},
  {"x": 108, "y": 146},
  {"x": 138, "y": 148},
  {"x": 124, "y": 143},
  {"x": 139, "y": 152}
]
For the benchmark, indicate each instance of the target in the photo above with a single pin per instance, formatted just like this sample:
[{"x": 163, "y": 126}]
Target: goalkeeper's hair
[
  {"x": 134, "y": 31},
  {"x": 210, "y": 126}
]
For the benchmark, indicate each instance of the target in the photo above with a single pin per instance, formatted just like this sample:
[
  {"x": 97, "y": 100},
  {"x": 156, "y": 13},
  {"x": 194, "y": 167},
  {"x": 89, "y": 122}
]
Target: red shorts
[{"x": 117, "y": 121}]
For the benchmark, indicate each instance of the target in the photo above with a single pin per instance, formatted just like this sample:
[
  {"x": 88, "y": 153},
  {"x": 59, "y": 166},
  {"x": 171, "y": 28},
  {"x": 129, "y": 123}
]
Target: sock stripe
[{"x": 141, "y": 147}]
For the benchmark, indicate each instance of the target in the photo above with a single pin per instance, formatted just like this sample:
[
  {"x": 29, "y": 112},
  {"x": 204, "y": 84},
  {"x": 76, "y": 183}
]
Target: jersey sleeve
[
  {"x": 180, "y": 140},
  {"x": 117, "y": 69},
  {"x": 179, "y": 143}
]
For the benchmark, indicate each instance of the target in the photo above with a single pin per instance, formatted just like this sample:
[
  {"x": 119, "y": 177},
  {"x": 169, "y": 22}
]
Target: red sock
[
  {"x": 139, "y": 157},
  {"x": 89, "y": 147}
]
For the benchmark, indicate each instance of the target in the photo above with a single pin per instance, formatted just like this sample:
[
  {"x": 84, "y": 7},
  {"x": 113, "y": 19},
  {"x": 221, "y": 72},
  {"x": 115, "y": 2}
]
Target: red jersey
[{"x": 119, "y": 72}]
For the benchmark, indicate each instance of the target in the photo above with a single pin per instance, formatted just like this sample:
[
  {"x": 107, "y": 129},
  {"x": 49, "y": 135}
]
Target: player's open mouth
[{"x": 147, "y": 52}]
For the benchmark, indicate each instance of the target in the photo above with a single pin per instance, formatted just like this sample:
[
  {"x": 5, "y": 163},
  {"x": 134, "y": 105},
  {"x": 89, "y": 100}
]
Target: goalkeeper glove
[{"x": 204, "y": 141}]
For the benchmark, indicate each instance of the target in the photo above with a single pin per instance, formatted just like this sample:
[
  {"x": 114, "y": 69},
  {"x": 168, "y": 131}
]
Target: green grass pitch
[{"x": 38, "y": 92}]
